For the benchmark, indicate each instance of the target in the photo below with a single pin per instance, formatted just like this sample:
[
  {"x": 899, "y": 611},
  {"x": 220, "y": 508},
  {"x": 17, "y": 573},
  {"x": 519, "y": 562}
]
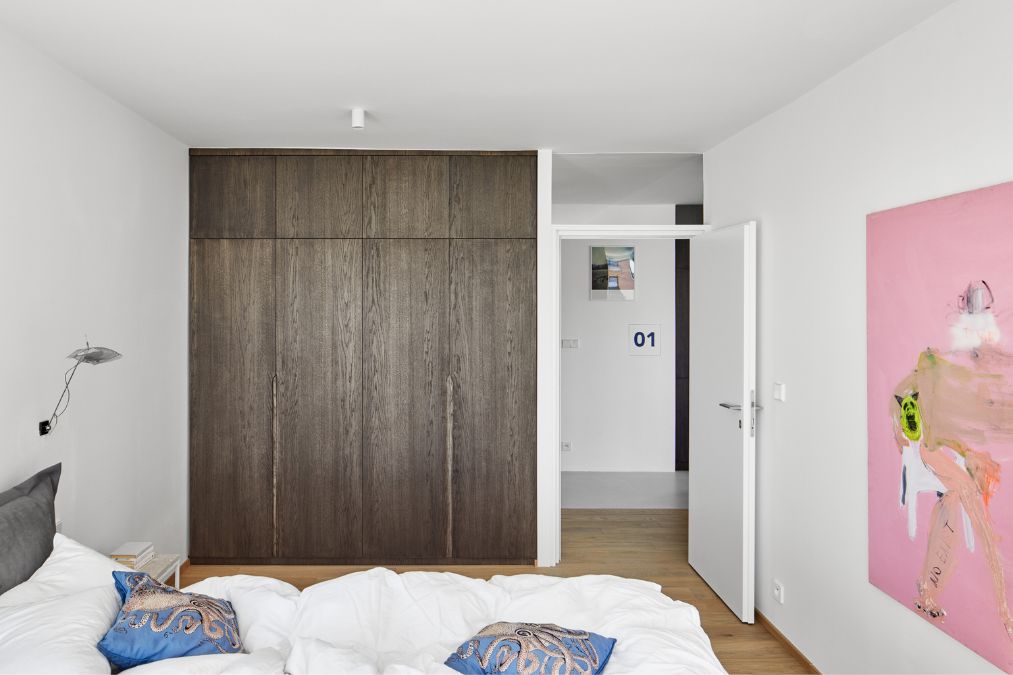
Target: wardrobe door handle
[
  {"x": 274, "y": 393},
  {"x": 276, "y": 545},
  {"x": 449, "y": 477}
]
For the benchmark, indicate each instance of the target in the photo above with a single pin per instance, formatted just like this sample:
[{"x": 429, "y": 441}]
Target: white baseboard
[{"x": 625, "y": 490}]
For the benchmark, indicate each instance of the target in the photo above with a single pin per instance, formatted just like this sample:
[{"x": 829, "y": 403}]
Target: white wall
[
  {"x": 625, "y": 489},
  {"x": 93, "y": 210},
  {"x": 621, "y": 179},
  {"x": 618, "y": 410},
  {"x": 927, "y": 115},
  {"x": 613, "y": 214}
]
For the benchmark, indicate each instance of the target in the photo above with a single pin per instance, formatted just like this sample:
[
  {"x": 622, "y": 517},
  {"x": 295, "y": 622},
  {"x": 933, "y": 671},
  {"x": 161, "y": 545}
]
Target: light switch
[
  {"x": 779, "y": 391},
  {"x": 570, "y": 343}
]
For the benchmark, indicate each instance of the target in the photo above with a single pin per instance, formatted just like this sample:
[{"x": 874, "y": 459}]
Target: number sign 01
[{"x": 644, "y": 339}]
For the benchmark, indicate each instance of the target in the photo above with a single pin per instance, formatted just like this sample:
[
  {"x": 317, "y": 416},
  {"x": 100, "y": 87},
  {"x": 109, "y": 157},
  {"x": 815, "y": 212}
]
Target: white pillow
[
  {"x": 52, "y": 622},
  {"x": 70, "y": 568},
  {"x": 57, "y": 635}
]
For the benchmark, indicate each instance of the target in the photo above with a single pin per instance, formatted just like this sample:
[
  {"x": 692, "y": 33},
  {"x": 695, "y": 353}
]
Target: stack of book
[{"x": 135, "y": 554}]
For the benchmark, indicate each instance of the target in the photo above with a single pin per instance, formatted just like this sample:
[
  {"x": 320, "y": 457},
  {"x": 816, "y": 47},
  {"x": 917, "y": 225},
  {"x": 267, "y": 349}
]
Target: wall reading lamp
[{"x": 89, "y": 354}]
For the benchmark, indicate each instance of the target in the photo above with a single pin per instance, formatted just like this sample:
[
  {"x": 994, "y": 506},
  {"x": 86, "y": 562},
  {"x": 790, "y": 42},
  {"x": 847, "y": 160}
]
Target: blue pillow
[
  {"x": 532, "y": 648},
  {"x": 158, "y": 622}
]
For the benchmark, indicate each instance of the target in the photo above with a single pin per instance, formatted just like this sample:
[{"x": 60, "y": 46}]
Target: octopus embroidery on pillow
[
  {"x": 527, "y": 648},
  {"x": 158, "y": 622}
]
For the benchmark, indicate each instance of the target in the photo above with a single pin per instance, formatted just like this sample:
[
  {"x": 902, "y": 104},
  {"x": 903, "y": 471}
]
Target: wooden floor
[{"x": 642, "y": 544}]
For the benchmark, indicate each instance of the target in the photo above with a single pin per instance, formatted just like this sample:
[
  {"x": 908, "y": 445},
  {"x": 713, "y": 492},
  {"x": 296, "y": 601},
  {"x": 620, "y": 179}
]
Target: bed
[{"x": 367, "y": 622}]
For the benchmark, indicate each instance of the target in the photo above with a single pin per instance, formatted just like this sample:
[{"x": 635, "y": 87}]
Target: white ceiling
[
  {"x": 574, "y": 75},
  {"x": 654, "y": 178}
]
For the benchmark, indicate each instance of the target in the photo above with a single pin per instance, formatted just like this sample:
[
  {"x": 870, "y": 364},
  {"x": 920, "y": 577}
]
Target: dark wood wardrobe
[{"x": 362, "y": 356}]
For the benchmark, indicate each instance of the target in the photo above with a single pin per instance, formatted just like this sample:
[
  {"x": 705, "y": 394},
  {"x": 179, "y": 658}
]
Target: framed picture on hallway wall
[
  {"x": 613, "y": 273},
  {"x": 940, "y": 413}
]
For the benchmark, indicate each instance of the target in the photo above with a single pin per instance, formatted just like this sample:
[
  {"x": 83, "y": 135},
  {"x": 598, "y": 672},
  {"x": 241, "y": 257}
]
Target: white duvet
[{"x": 368, "y": 622}]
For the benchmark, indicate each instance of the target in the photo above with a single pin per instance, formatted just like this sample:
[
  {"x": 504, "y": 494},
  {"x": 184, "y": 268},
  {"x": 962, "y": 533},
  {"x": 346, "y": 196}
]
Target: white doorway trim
[{"x": 550, "y": 237}]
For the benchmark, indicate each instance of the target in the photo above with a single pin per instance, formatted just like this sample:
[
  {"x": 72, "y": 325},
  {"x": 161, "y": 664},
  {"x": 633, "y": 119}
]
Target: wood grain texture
[
  {"x": 493, "y": 354},
  {"x": 232, "y": 197},
  {"x": 319, "y": 365},
  {"x": 325, "y": 152},
  {"x": 493, "y": 196},
  {"x": 406, "y": 196},
  {"x": 788, "y": 644},
  {"x": 232, "y": 351},
  {"x": 370, "y": 560},
  {"x": 405, "y": 351},
  {"x": 637, "y": 544},
  {"x": 319, "y": 196}
]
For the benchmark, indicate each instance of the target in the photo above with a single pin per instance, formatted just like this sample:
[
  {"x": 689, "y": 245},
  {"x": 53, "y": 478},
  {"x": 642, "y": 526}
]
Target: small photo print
[{"x": 613, "y": 272}]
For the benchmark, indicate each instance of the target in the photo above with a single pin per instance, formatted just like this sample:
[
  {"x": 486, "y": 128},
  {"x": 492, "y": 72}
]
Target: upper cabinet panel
[
  {"x": 232, "y": 197},
  {"x": 406, "y": 196},
  {"x": 493, "y": 196},
  {"x": 319, "y": 197}
]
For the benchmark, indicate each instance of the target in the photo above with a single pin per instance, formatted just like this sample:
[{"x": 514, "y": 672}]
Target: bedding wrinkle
[{"x": 369, "y": 622}]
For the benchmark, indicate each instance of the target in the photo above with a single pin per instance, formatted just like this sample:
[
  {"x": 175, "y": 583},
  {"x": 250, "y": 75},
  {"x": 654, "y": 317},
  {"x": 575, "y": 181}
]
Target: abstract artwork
[
  {"x": 940, "y": 397},
  {"x": 613, "y": 273}
]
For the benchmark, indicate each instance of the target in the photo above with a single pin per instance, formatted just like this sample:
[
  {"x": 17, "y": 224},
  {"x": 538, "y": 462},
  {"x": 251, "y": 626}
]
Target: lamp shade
[
  {"x": 87, "y": 354},
  {"x": 94, "y": 355}
]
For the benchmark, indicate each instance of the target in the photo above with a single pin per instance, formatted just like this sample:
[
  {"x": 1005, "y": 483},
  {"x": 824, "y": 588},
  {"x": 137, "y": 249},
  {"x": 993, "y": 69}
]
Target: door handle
[
  {"x": 755, "y": 407},
  {"x": 736, "y": 406}
]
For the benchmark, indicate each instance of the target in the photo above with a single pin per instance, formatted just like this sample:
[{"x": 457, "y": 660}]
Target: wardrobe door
[
  {"x": 232, "y": 348},
  {"x": 319, "y": 418},
  {"x": 232, "y": 197},
  {"x": 493, "y": 196},
  {"x": 404, "y": 397},
  {"x": 319, "y": 196},
  {"x": 493, "y": 353},
  {"x": 406, "y": 196}
]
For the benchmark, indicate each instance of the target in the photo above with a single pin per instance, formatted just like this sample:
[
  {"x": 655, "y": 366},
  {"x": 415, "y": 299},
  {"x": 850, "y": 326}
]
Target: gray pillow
[{"x": 27, "y": 526}]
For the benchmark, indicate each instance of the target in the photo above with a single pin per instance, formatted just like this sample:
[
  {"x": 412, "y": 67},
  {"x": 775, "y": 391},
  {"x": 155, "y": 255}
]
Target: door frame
[{"x": 550, "y": 238}]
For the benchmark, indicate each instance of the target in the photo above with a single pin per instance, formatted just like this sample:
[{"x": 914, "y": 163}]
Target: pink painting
[{"x": 940, "y": 303}]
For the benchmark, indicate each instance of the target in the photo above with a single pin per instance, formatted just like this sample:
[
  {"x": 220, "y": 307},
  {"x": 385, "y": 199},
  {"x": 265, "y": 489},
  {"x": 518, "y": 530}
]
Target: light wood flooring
[{"x": 643, "y": 544}]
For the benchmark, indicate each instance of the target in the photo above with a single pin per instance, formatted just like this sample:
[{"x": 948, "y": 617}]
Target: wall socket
[
  {"x": 779, "y": 591},
  {"x": 566, "y": 446}
]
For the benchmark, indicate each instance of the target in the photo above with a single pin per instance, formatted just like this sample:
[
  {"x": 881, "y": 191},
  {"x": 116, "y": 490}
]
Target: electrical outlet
[
  {"x": 779, "y": 591},
  {"x": 567, "y": 447}
]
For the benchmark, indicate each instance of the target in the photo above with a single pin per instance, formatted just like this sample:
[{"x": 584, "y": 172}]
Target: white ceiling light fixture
[{"x": 358, "y": 118}]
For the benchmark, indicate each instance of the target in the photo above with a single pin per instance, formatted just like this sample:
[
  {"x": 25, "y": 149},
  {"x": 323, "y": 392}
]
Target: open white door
[{"x": 722, "y": 413}]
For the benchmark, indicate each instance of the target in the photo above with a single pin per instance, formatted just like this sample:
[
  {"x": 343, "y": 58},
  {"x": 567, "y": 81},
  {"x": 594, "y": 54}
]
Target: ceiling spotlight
[{"x": 358, "y": 118}]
